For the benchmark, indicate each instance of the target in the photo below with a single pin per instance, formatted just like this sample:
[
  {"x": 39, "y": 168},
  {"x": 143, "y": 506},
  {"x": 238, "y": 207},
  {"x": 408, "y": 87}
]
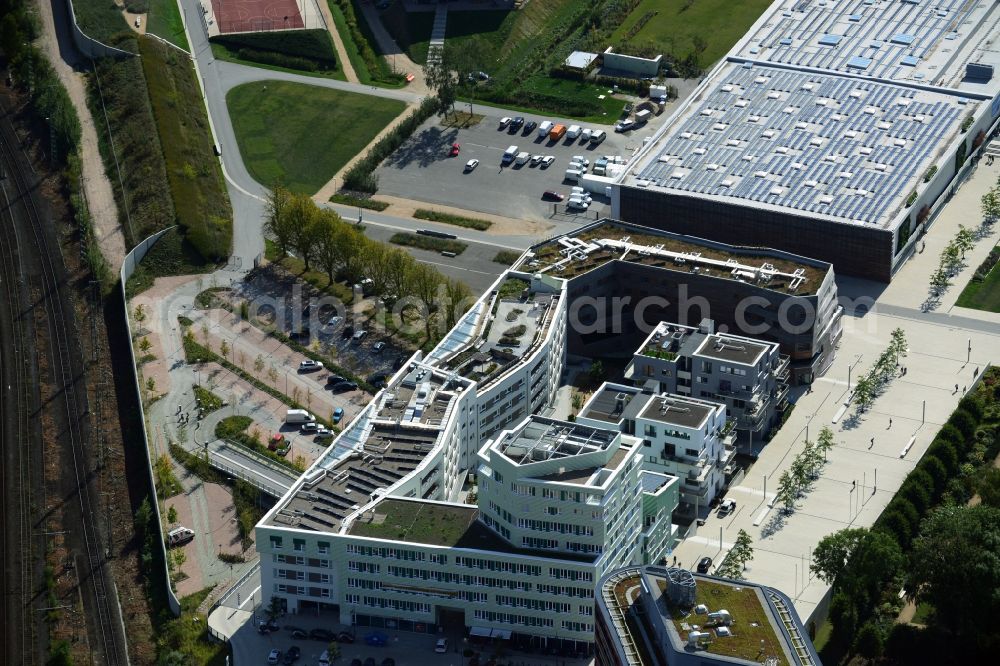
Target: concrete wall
[
  {"x": 132, "y": 260},
  {"x": 89, "y": 46},
  {"x": 619, "y": 62}
]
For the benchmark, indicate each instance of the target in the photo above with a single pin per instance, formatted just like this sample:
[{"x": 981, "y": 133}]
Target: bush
[
  {"x": 277, "y": 59},
  {"x": 930, "y": 173},
  {"x": 898, "y": 526},
  {"x": 965, "y": 423},
  {"x": 360, "y": 202},
  {"x": 506, "y": 257},
  {"x": 945, "y": 451},
  {"x": 457, "y": 220},
  {"x": 362, "y": 37},
  {"x": 937, "y": 471},
  {"x": 428, "y": 243},
  {"x": 911, "y": 198},
  {"x": 869, "y": 642},
  {"x": 46, "y": 93},
  {"x": 361, "y": 177},
  {"x": 314, "y": 46}
]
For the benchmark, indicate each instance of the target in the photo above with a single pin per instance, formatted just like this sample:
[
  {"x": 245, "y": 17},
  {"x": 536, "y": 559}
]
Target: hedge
[
  {"x": 312, "y": 45},
  {"x": 361, "y": 177},
  {"x": 278, "y": 59}
]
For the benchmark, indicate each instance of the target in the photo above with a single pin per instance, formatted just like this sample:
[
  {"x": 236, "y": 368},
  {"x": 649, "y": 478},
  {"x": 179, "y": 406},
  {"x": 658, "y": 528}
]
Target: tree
[
  {"x": 305, "y": 231},
  {"x": 965, "y": 240},
  {"x": 441, "y": 80},
  {"x": 988, "y": 487},
  {"x": 224, "y": 349},
  {"x": 898, "y": 344},
  {"x": 276, "y": 220},
  {"x": 954, "y": 566},
  {"x": 869, "y": 642},
  {"x": 144, "y": 345},
  {"x": 825, "y": 441},
  {"x": 787, "y": 492},
  {"x": 936, "y": 471},
  {"x": 863, "y": 393},
  {"x": 171, "y": 515},
  {"x": 991, "y": 205},
  {"x": 596, "y": 371},
  {"x": 140, "y": 314},
  {"x": 150, "y": 384},
  {"x": 743, "y": 549},
  {"x": 833, "y": 551},
  {"x": 327, "y": 252}
]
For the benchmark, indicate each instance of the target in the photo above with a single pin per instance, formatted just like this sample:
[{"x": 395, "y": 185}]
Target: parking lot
[{"x": 423, "y": 170}]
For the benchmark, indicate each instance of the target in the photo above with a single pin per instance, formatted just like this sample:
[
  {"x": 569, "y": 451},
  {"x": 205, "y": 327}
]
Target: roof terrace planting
[{"x": 573, "y": 255}]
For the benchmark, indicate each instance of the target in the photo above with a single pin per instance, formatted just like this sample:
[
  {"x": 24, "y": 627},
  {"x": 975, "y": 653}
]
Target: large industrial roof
[
  {"x": 911, "y": 40},
  {"x": 832, "y": 109},
  {"x": 822, "y": 144}
]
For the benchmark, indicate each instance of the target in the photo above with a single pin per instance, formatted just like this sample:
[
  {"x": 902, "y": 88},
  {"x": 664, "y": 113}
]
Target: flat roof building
[
  {"x": 828, "y": 131},
  {"x": 655, "y": 616}
]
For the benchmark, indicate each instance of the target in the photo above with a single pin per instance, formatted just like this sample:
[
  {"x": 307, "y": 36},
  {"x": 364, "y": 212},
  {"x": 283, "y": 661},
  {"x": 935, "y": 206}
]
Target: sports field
[
  {"x": 302, "y": 135},
  {"x": 720, "y": 23}
]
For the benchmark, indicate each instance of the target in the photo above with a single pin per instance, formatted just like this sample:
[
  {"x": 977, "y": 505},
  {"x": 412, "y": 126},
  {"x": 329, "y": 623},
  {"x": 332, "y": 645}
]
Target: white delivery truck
[
  {"x": 522, "y": 158},
  {"x": 642, "y": 116},
  {"x": 509, "y": 154},
  {"x": 545, "y": 128},
  {"x": 298, "y": 416},
  {"x": 573, "y": 175},
  {"x": 179, "y": 535}
]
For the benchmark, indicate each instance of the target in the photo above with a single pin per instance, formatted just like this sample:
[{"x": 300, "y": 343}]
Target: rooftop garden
[
  {"x": 416, "y": 522},
  {"x": 656, "y": 351},
  {"x": 753, "y": 637},
  {"x": 512, "y": 288}
]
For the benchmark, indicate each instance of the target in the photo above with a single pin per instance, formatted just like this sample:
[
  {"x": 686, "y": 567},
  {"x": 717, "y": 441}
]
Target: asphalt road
[{"x": 423, "y": 171}]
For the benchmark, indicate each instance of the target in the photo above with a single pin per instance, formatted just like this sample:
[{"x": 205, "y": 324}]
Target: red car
[
  {"x": 455, "y": 148},
  {"x": 549, "y": 195}
]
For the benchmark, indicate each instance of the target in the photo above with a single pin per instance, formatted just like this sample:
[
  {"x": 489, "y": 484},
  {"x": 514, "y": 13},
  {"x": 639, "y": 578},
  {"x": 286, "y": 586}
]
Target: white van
[
  {"x": 577, "y": 203},
  {"x": 298, "y": 416},
  {"x": 179, "y": 535},
  {"x": 509, "y": 154},
  {"x": 545, "y": 128},
  {"x": 573, "y": 175},
  {"x": 573, "y": 131},
  {"x": 324, "y": 659},
  {"x": 522, "y": 158},
  {"x": 577, "y": 166}
]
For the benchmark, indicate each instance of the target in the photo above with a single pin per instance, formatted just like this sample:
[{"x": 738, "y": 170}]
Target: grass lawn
[
  {"x": 302, "y": 135},
  {"x": 721, "y": 23},
  {"x": 221, "y": 52},
  {"x": 99, "y": 18},
  {"x": 983, "y": 295},
  {"x": 201, "y": 201},
  {"x": 578, "y": 90},
  {"x": 418, "y": 522},
  {"x": 357, "y": 62},
  {"x": 164, "y": 20}
]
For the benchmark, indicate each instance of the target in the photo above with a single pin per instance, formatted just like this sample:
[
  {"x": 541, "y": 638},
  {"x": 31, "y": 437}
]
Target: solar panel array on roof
[
  {"x": 812, "y": 142},
  {"x": 833, "y": 35}
]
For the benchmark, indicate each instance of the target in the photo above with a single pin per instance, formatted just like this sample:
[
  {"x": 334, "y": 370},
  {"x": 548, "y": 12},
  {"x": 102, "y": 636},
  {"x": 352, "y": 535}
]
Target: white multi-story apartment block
[
  {"x": 685, "y": 437},
  {"x": 747, "y": 374}
]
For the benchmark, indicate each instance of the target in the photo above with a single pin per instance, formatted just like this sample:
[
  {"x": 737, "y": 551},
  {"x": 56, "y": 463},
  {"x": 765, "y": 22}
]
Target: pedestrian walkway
[{"x": 436, "y": 50}]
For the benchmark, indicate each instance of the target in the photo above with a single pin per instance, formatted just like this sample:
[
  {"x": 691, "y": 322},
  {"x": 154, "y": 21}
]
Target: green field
[
  {"x": 983, "y": 295},
  {"x": 721, "y": 23},
  {"x": 302, "y": 135},
  {"x": 164, "y": 20}
]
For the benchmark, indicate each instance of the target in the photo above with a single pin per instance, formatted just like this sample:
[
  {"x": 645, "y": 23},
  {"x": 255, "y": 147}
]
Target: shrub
[
  {"x": 428, "y": 243},
  {"x": 936, "y": 470},
  {"x": 911, "y": 198},
  {"x": 457, "y": 220},
  {"x": 360, "y": 202},
  {"x": 951, "y": 434},
  {"x": 361, "y": 177},
  {"x": 898, "y": 526},
  {"x": 971, "y": 404},
  {"x": 930, "y": 173},
  {"x": 277, "y": 59},
  {"x": 314, "y": 46},
  {"x": 907, "y": 508},
  {"x": 965, "y": 423},
  {"x": 945, "y": 451},
  {"x": 870, "y": 641},
  {"x": 361, "y": 36}
]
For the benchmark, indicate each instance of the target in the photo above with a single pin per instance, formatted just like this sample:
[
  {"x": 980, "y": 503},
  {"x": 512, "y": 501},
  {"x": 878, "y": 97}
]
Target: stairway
[{"x": 436, "y": 49}]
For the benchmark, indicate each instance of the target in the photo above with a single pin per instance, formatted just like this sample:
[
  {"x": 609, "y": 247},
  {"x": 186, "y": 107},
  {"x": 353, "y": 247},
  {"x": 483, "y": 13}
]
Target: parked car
[
  {"x": 323, "y": 431},
  {"x": 292, "y": 655},
  {"x": 344, "y": 386},
  {"x": 359, "y": 335},
  {"x": 727, "y": 507},
  {"x": 335, "y": 379},
  {"x": 309, "y": 428},
  {"x": 536, "y": 159},
  {"x": 322, "y": 635},
  {"x": 529, "y": 127},
  {"x": 345, "y": 637},
  {"x": 455, "y": 149},
  {"x": 299, "y": 633},
  {"x": 517, "y": 123},
  {"x": 334, "y": 322},
  {"x": 310, "y": 366},
  {"x": 549, "y": 195},
  {"x": 378, "y": 347},
  {"x": 274, "y": 656},
  {"x": 378, "y": 381},
  {"x": 580, "y": 159},
  {"x": 441, "y": 646},
  {"x": 471, "y": 165},
  {"x": 624, "y": 125},
  {"x": 370, "y": 661},
  {"x": 338, "y": 414},
  {"x": 504, "y": 122},
  {"x": 704, "y": 564},
  {"x": 548, "y": 160},
  {"x": 585, "y": 135}
]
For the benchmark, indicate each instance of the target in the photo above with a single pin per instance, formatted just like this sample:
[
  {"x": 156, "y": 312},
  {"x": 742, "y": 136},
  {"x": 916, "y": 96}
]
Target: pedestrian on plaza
[
  {"x": 871, "y": 444},
  {"x": 956, "y": 388},
  {"x": 890, "y": 423}
]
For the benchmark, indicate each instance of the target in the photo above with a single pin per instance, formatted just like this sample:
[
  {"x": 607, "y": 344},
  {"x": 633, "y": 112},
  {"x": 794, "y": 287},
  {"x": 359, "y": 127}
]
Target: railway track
[
  {"x": 16, "y": 490},
  {"x": 28, "y": 238}
]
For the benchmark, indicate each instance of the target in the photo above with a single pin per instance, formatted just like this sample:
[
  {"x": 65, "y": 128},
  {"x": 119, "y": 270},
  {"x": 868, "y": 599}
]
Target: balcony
[
  {"x": 781, "y": 396},
  {"x": 781, "y": 370}
]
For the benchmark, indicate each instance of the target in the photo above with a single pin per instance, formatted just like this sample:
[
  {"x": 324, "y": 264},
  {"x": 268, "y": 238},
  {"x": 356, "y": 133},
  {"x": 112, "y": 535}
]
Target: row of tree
[
  {"x": 871, "y": 384},
  {"x": 320, "y": 237},
  {"x": 735, "y": 562},
  {"x": 805, "y": 468},
  {"x": 952, "y": 257},
  {"x": 928, "y": 543}
]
